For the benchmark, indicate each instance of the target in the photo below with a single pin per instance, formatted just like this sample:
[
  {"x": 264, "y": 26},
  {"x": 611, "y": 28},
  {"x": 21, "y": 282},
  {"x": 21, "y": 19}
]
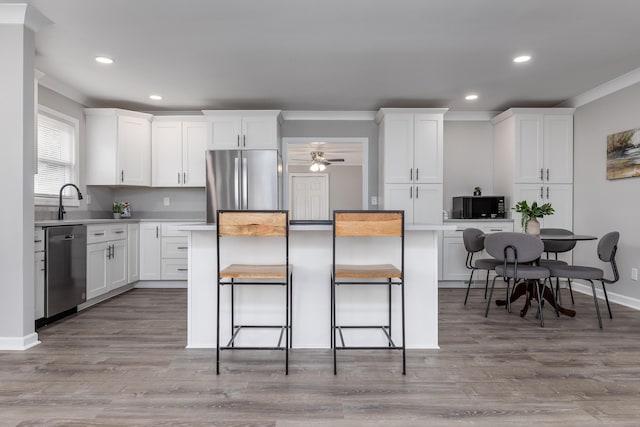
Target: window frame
[{"x": 52, "y": 200}]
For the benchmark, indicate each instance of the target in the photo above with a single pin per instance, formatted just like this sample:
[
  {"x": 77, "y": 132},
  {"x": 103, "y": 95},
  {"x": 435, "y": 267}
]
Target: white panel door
[
  {"x": 226, "y": 132},
  {"x": 150, "y": 251},
  {"x": 134, "y": 151},
  {"x": 529, "y": 164},
  {"x": 133, "y": 252},
  {"x": 398, "y": 148},
  {"x": 259, "y": 132},
  {"x": 97, "y": 267},
  {"x": 167, "y": 154},
  {"x": 561, "y": 198},
  {"x": 558, "y": 149},
  {"x": 428, "y": 150},
  {"x": 399, "y": 197},
  {"x": 117, "y": 275},
  {"x": 427, "y": 204},
  {"x": 309, "y": 196},
  {"x": 454, "y": 255},
  {"x": 194, "y": 144}
]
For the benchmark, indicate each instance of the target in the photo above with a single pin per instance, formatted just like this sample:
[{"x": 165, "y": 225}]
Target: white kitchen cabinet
[
  {"x": 453, "y": 253},
  {"x": 150, "y": 250},
  {"x": 118, "y": 147},
  {"x": 559, "y": 195},
  {"x": 133, "y": 250},
  {"x": 410, "y": 163},
  {"x": 178, "y": 148},
  {"x": 107, "y": 258},
  {"x": 175, "y": 250},
  {"x": 39, "y": 273},
  {"x": 244, "y": 129}
]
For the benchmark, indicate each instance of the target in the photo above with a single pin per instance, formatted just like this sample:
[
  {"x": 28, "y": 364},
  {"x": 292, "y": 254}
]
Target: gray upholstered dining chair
[
  {"x": 473, "y": 239},
  {"x": 607, "y": 248},
  {"x": 517, "y": 252},
  {"x": 555, "y": 247}
]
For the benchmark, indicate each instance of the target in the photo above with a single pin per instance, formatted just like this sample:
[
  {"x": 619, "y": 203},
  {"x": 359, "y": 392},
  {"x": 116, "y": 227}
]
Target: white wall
[
  {"x": 601, "y": 205},
  {"x": 468, "y": 159}
]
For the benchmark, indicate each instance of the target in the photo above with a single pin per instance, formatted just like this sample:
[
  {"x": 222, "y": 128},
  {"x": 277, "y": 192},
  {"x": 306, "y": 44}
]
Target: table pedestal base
[{"x": 528, "y": 288}]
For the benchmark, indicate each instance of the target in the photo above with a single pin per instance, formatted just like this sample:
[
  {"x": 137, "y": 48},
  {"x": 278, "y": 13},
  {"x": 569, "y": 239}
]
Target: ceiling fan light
[
  {"x": 314, "y": 167},
  {"x": 321, "y": 167}
]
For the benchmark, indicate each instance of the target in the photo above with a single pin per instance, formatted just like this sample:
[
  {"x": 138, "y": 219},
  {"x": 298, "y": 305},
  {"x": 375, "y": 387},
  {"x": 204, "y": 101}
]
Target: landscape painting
[{"x": 623, "y": 154}]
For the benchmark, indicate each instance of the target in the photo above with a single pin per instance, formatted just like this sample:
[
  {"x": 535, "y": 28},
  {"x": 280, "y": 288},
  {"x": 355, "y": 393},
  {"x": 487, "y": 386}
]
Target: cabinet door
[
  {"x": 399, "y": 197},
  {"x": 38, "y": 268},
  {"x": 427, "y": 204},
  {"x": 167, "y": 154},
  {"x": 561, "y": 198},
  {"x": 529, "y": 192},
  {"x": 558, "y": 149},
  {"x": 97, "y": 267},
  {"x": 117, "y": 274},
  {"x": 428, "y": 148},
  {"x": 133, "y": 252},
  {"x": 398, "y": 136},
  {"x": 454, "y": 256},
  {"x": 194, "y": 144},
  {"x": 226, "y": 132},
  {"x": 134, "y": 151},
  {"x": 150, "y": 251},
  {"x": 174, "y": 269},
  {"x": 259, "y": 132},
  {"x": 529, "y": 166}
]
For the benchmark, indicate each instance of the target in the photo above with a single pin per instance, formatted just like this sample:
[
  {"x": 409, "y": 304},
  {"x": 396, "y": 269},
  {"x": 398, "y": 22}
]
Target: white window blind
[{"x": 56, "y": 156}]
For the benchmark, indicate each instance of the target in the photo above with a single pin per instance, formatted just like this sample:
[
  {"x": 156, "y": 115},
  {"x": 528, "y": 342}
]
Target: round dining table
[{"x": 527, "y": 287}]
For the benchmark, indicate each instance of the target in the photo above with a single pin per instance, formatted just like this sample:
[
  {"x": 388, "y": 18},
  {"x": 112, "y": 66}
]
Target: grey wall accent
[
  {"x": 468, "y": 159},
  {"x": 145, "y": 202},
  {"x": 337, "y": 129},
  {"x": 602, "y": 205},
  {"x": 345, "y": 185}
]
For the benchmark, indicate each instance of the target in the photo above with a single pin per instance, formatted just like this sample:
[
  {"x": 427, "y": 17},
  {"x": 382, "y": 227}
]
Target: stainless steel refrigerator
[{"x": 243, "y": 180}]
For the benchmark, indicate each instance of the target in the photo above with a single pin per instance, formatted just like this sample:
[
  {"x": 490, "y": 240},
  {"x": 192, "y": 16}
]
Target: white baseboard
[
  {"x": 19, "y": 343},
  {"x": 111, "y": 294},
  {"x": 161, "y": 284},
  {"x": 613, "y": 297}
]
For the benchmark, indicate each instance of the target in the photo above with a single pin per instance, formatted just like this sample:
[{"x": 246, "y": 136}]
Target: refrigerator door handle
[
  {"x": 236, "y": 183},
  {"x": 245, "y": 184}
]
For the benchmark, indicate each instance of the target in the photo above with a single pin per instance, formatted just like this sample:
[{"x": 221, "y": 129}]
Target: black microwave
[{"x": 478, "y": 207}]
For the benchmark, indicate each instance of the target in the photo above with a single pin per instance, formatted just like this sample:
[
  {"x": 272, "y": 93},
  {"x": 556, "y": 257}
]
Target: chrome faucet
[{"x": 61, "y": 211}]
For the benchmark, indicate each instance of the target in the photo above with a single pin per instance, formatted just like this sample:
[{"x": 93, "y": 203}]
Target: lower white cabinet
[
  {"x": 106, "y": 258},
  {"x": 133, "y": 249},
  {"x": 163, "y": 252},
  {"x": 454, "y": 254},
  {"x": 150, "y": 250}
]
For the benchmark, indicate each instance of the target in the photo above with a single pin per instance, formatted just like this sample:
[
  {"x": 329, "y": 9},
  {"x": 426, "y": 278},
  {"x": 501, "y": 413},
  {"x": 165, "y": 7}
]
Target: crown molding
[
  {"x": 470, "y": 116},
  {"x": 603, "y": 90},
  {"x": 329, "y": 115},
  {"x": 23, "y": 14}
]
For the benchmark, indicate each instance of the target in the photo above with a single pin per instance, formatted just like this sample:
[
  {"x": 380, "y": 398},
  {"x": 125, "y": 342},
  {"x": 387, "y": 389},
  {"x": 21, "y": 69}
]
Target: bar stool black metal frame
[
  {"x": 254, "y": 223},
  {"x": 367, "y": 224}
]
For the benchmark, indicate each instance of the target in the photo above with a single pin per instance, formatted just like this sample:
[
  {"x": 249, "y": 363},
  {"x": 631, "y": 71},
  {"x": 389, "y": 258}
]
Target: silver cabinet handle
[
  {"x": 541, "y": 174},
  {"x": 183, "y": 247},
  {"x": 411, "y": 192},
  {"x": 122, "y": 175},
  {"x": 119, "y": 231},
  {"x": 244, "y": 140},
  {"x": 69, "y": 237},
  {"x": 178, "y": 177},
  {"x": 417, "y": 188},
  {"x": 157, "y": 231},
  {"x": 183, "y": 269},
  {"x": 547, "y": 192},
  {"x": 37, "y": 241},
  {"x": 42, "y": 269},
  {"x": 108, "y": 252},
  {"x": 184, "y": 177},
  {"x": 238, "y": 140},
  {"x": 542, "y": 192},
  {"x": 410, "y": 174},
  {"x": 99, "y": 234},
  {"x": 417, "y": 174},
  {"x": 547, "y": 174}
]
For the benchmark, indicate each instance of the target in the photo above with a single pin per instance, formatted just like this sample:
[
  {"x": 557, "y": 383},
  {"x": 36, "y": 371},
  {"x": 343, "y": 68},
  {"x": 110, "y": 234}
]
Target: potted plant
[
  {"x": 530, "y": 214},
  {"x": 477, "y": 191},
  {"x": 117, "y": 209}
]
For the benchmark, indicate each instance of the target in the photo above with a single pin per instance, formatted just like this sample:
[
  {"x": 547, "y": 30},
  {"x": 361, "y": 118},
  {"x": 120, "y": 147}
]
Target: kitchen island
[{"x": 310, "y": 253}]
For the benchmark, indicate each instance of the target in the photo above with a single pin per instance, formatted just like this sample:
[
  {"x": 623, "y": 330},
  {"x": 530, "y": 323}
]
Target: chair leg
[
  {"x": 604, "y": 289},
  {"x": 333, "y": 324},
  {"x": 508, "y": 299},
  {"x": 573, "y": 302},
  {"x": 287, "y": 331},
  {"x": 556, "y": 296},
  {"x": 486, "y": 284},
  {"x": 540, "y": 303},
  {"x": 493, "y": 284},
  {"x": 469, "y": 287},
  {"x": 404, "y": 345},
  {"x": 389, "y": 307},
  {"x": 218, "y": 328},
  {"x": 595, "y": 300}
]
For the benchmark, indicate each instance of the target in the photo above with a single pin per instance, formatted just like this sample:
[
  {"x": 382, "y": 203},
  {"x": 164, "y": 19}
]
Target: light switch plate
[
  {"x": 374, "y": 200},
  {"x": 166, "y": 201},
  {"x": 634, "y": 274}
]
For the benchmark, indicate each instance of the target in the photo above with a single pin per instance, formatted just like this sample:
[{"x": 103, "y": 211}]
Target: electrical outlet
[
  {"x": 634, "y": 274},
  {"x": 88, "y": 199},
  {"x": 166, "y": 201},
  {"x": 374, "y": 200}
]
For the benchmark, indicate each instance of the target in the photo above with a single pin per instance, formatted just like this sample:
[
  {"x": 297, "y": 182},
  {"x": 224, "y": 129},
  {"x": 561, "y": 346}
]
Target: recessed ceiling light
[
  {"x": 471, "y": 97},
  {"x": 155, "y": 97},
  {"x": 522, "y": 58},
  {"x": 104, "y": 60}
]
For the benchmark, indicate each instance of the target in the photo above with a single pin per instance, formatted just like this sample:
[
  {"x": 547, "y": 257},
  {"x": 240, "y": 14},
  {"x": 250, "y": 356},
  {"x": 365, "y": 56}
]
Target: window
[{"x": 57, "y": 157}]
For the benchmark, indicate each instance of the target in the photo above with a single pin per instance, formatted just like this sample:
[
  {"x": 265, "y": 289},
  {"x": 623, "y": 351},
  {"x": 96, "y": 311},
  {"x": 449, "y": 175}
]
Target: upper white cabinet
[
  {"x": 244, "y": 129},
  {"x": 118, "y": 144},
  {"x": 178, "y": 147},
  {"x": 543, "y": 143},
  {"x": 410, "y": 162}
]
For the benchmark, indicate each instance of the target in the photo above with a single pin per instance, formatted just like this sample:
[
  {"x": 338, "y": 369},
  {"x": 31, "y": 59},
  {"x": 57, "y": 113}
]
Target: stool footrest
[
  {"x": 238, "y": 328},
  {"x": 383, "y": 328}
]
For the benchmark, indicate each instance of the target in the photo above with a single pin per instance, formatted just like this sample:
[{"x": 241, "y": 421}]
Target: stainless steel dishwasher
[{"x": 66, "y": 268}]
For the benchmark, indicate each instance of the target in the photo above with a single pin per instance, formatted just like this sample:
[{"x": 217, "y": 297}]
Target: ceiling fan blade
[{"x": 335, "y": 160}]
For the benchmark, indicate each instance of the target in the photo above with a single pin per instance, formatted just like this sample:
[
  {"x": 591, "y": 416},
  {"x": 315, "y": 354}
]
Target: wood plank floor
[{"x": 123, "y": 362}]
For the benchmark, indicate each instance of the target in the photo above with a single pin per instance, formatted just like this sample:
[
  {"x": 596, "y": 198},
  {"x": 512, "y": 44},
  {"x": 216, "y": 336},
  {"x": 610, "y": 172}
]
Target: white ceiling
[{"x": 335, "y": 54}]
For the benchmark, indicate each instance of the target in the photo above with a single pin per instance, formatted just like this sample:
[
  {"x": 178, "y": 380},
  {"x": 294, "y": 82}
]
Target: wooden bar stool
[
  {"x": 366, "y": 224},
  {"x": 254, "y": 224}
]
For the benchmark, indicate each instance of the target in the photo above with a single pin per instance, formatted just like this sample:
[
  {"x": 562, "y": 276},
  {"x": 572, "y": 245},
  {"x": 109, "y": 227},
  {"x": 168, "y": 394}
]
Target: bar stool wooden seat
[
  {"x": 367, "y": 224},
  {"x": 252, "y": 224}
]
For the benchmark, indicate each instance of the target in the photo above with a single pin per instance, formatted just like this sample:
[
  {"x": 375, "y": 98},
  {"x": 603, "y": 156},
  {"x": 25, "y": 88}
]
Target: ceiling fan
[{"x": 319, "y": 162}]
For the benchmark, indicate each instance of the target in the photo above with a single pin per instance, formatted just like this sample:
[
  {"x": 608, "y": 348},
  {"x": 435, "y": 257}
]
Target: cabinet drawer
[
  {"x": 174, "y": 269},
  {"x": 168, "y": 229},
  {"x": 105, "y": 232},
  {"x": 174, "y": 247},
  {"x": 486, "y": 227},
  {"x": 38, "y": 240}
]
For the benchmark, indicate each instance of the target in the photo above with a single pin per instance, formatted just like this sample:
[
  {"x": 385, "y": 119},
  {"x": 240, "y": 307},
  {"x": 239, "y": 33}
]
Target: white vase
[
  {"x": 116, "y": 215},
  {"x": 533, "y": 227}
]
